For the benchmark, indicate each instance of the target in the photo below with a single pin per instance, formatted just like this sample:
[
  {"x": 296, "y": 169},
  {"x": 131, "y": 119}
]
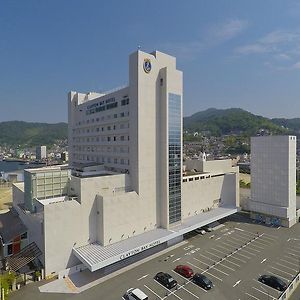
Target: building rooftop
[
  {"x": 11, "y": 225},
  {"x": 48, "y": 168}
]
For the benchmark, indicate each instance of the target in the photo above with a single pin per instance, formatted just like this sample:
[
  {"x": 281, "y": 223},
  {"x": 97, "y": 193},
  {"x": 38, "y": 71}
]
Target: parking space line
[
  {"x": 293, "y": 256},
  {"x": 224, "y": 259},
  {"x": 143, "y": 277},
  {"x": 277, "y": 263},
  {"x": 265, "y": 235},
  {"x": 252, "y": 296},
  {"x": 248, "y": 252},
  {"x": 238, "y": 259},
  {"x": 273, "y": 273},
  {"x": 259, "y": 247},
  {"x": 241, "y": 238},
  {"x": 209, "y": 257},
  {"x": 205, "y": 271},
  {"x": 268, "y": 294},
  {"x": 270, "y": 237},
  {"x": 243, "y": 255},
  {"x": 232, "y": 256},
  {"x": 253, "y": 249},
  {"x": 152, "y": 292},
  {"x": 201, "y": 262},
  {"x": 293, "y": 264},
  {"x": 220, "y": 257},
  {"x": 182, "y": 287},
  {"x": 232, "y": 244},
  {"x": 229, "y": 250},
  {"x": 213, "y": 268},
  {"x": 266, "y": 286},
  {"x": 188, "y": 281},
  {"x": 243, "y": 235},
  {"x": 263, "y": 243},
  {"x": 282, "y": 271},
  {"x": 169, "y": 291},
  {"x": 298, "y": 252}
]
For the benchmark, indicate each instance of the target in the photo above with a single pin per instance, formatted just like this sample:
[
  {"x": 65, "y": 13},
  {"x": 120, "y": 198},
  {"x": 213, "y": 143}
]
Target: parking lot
[{"x": 232, "y": 257}]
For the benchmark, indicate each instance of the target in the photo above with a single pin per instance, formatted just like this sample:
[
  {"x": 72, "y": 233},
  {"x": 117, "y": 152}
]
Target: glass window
[
  {"x": 174, "y": 139},
  {"x": 9, "y": 249}
]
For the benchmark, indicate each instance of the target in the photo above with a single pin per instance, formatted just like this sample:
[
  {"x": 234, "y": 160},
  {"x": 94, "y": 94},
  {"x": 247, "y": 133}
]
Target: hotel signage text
[{"x": 139, "y": 249}]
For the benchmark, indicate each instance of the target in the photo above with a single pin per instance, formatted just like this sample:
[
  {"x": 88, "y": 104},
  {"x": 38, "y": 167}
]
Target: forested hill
[
  {"x": 31, "y": 134},
  {"x": 235, "y": 120}
]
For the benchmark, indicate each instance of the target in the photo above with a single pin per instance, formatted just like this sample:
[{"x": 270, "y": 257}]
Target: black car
[
  {"x": 166, "y": 280},
  {"x": 202, "y": 281},
  {"x": 273, "y": 282}
]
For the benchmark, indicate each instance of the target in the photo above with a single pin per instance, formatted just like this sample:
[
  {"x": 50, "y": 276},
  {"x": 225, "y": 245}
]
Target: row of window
[
  {"x": 102, "y": 159},
  {"x": 107, "y": 106},
  {"x": 101, "y": 129},
  {"x": 103, "y": 118},
  {"x": 121, "y": 138},
  {"x": 201, "y": 177},
  {"x": 99, "y": 149}
]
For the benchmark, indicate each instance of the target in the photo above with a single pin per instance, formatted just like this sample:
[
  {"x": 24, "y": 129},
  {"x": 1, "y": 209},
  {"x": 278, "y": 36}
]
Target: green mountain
[
  {"x": 292, "y": 124},
  {"x": 229, "y": 121},
  {"x": 16, "y": 133}
]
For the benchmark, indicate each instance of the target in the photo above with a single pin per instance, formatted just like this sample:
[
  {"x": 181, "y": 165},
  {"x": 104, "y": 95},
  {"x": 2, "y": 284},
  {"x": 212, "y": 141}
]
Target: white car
[
  {"x": 201, "y": 231},
  {"x": 135, "y": 294}
]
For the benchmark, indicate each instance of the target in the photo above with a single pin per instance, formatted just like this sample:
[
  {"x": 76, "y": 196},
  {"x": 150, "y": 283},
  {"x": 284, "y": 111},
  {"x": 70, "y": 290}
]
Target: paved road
[{"x": 233, "y": 257}]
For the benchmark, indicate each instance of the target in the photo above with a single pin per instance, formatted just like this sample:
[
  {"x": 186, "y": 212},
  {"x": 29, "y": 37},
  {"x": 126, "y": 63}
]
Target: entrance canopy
[{"x": 94, "y": 256}]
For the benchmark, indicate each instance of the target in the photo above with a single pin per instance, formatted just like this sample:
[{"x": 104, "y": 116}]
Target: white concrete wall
[
  {"x": 62, "y": 228},
  {"x": 203, "y": 194},
  {"x": 209, "y": 166},
  {"x": 273, "y": 176}
]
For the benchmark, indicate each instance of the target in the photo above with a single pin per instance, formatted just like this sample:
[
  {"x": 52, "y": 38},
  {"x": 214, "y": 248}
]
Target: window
[
  {"x": 115, "y": 138},
  {"x": 9, "y": 249},
  {"x": 122, "y": 114},
  {"x": 125, "y": 102},
  {"x": 108, "y": 128},
  {"x": 122, "y": 138},
  {"x": 24, "y": 235},
  {"x": 108, "y": 138},
  {"x": 115, "y": 116}
]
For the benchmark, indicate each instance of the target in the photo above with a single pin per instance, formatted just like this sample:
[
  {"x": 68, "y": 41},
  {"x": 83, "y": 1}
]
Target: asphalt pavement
[{"x": 232, "y": 257}]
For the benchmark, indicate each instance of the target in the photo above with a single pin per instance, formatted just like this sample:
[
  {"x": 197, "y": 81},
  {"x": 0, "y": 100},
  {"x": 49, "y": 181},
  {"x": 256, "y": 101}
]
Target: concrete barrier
[{"x": 290, "y": 289}]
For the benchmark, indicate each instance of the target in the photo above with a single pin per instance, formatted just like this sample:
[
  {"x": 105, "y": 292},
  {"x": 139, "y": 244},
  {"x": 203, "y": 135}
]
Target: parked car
[
  {"x": 135, "y": 294},
  {"x": 207, "y": 228},
  {"x": 273, "y": 282},
  {"x": 166, "y": 280},
  {"x": 184, "y": 270},
  {"x": 202, "y": 281},
  {"x": 200, "y": 230}
]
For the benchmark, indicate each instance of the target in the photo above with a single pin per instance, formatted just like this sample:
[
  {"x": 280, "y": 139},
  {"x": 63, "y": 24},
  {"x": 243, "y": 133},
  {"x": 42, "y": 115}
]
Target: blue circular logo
[{"x": 147, "y": 65}]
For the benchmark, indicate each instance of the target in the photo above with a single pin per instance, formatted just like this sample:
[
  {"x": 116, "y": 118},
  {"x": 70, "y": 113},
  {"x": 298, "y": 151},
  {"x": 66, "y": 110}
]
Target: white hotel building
[{"x": 128, "y": 196}]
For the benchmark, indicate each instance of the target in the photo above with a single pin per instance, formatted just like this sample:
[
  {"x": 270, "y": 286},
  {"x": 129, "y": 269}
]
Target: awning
[
  {"x": 24, "y": 257},
  {"x": 94, "y": 256}
]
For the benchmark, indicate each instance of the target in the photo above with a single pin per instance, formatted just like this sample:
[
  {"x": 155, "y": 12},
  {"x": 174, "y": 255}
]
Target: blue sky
[{"x": 233, "y": 53}]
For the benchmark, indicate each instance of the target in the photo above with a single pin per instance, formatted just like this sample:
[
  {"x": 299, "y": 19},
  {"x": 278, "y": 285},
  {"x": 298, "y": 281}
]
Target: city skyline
[{"x": 233, "y": 54}]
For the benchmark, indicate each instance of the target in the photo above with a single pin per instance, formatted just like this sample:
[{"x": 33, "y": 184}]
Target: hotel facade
[{"x": 129, "y": 192}]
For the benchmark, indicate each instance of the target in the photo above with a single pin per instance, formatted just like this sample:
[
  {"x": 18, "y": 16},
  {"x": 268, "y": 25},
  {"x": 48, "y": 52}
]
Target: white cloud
[
  {"x": 227, "y": 30},
  {"x": 282, "y": 45},
  {"x": 212, "y": 36},
  {"x": 296, "y": 65}
]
